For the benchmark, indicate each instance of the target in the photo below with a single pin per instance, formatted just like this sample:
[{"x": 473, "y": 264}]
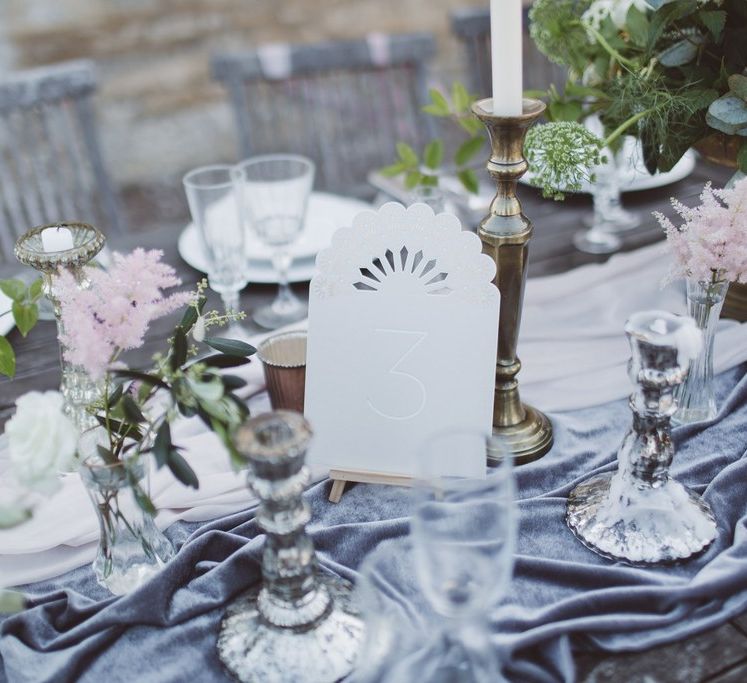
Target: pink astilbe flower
[
  {"x": 114, "y": 314},
  {"x": 711, "y": 244}
]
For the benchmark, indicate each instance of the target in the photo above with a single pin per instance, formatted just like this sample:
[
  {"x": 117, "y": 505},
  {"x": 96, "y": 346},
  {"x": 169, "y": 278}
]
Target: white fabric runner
[{"x": 574, "y": 354}]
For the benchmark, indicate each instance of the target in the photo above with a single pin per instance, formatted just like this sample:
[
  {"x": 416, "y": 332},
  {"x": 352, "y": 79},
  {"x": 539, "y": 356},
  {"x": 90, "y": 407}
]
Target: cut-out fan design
[{"x": 404, "y": 268}]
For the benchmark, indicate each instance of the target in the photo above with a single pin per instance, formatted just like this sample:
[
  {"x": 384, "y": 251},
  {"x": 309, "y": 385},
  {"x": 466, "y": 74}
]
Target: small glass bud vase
[
  {"x": 131, "y": 548},
  {"x": 71, "y": 246},
  {"x": 641, "y": 514},
  {"x": 299, "y": 625},
  {"x": 695, "y": 398}
]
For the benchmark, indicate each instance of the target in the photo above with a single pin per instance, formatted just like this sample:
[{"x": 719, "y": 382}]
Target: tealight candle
[
  {"x": 57, "y": 239},
  {"x": 506, "y": 46}
]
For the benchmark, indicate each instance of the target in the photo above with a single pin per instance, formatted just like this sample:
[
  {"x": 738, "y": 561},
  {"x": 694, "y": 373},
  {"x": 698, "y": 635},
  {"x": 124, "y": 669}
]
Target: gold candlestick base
[{"x": 505, "y": 233}]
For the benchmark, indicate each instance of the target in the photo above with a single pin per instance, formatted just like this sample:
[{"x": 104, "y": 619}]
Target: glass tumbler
[
  {"x": 214, "y": 208},
  {"x": 273, "y": 192}
]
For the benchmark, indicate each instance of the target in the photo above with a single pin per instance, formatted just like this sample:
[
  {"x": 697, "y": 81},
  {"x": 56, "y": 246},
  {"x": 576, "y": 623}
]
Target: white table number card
[{"x": 403, "y": 327}]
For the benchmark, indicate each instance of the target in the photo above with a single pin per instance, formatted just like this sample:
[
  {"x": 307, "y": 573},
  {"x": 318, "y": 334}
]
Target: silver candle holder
[
  {"x": 640, "y": 514},
  {"x": 77, "y": 388},
  {"x": 298, "y": 625}
]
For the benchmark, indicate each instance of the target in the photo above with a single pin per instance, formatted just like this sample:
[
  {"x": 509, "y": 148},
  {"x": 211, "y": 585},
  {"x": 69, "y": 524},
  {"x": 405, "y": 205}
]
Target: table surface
[{"x": 719, "y": 656}]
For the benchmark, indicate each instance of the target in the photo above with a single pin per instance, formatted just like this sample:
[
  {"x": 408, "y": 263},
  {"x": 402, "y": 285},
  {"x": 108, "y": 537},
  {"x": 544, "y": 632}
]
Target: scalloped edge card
[{"x": 403, "y": 332}]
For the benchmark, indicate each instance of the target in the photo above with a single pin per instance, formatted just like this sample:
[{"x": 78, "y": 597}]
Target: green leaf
[
  {"x": 393, "y": 170},
  {"x": 212, "y": 390},
  {"x": 142, "y": 498},
  {"x": 115, "y": 395},
  {"x": 407, "y": 154},
  {"x": 738, "y": 85},
  {"x": 468, "y": 178},
  {"x": 25, "y": 316},
  {"x": 742, "y": 158},
  {"x": 131, "y": 410},
  {"x": 565, "y": 111},
  {"x": 223, "y": 361},
  {"x": 12, "y": 515},
  {"x": 438, "y": 106},
  {"x": 429, "y": 181},
  {"x": 143, "y": 377},
  {"x": 36, "y": 290},
  {"x": 468, "y": 149},
  {"x": 162, "y": 445},
  {"x": 120, "y": 428},
  {"x": 714, "y": 21},
  {"x": 460, "y": 97},
  {"x": 105, "y": 454},
  {"x": 433, "y": 154},
  {"x": 575, "y": 89},
  {"x": 14, "y": 289},
  {"x": 7, "y": 358},
  {"x": 182, "y": 471},
  {"x": 11, "y": 601},
  {"x": 412, "y": 179},
  {"x": 637, "y": 25},
  {"x": 232, "y": 347},
  {"x": 233, "y": 382},
  {"x": 470, "y": 124},
  {"x": 179, "y": 348}
]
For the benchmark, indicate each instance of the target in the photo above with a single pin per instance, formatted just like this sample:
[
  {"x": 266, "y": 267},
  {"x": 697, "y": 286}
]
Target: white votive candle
[
  {"x": 57, "y": 239},
  {"x": 506, "y": 45}
]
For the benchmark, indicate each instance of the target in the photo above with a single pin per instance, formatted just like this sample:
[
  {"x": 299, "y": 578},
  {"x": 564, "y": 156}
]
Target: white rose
[{"x": 42, "y": 440}]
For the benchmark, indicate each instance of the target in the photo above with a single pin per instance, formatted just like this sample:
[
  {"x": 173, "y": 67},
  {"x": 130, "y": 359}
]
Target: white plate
[
  {"x": 6, "y": 321},
  {"x": 325, "y": 214}
]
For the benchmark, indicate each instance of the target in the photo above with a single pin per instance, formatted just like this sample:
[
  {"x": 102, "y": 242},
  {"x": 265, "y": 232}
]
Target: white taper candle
[{"x": 506, "y": 44}]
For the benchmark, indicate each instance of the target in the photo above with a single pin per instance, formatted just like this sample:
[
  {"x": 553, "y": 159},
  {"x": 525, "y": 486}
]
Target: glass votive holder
[{"x": 283, "y": 359}]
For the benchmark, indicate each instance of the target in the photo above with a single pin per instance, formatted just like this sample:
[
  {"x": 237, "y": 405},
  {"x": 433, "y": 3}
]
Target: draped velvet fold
[{"x": 563, "y": 597}]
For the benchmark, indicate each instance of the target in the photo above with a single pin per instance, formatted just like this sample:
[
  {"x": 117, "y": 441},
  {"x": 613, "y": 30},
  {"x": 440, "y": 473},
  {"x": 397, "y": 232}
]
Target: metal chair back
[
  {"x": 51, "y": 167},
  {"x": 342, "y": 104}
]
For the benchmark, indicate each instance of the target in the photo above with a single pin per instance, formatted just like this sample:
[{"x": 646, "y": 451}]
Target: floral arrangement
[
  {"x": 670, "y": 72},
  {"x": 711, "y": 244},
  {"x": 25, "y": 311},
  {"x": 136, "y": 408}
]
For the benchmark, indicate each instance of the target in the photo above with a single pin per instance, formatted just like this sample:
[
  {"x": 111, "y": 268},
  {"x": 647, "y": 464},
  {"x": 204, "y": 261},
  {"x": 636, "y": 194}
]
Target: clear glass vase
[
  {"x": 131, "y": 548},
  {"x": 695, "y": 398}
]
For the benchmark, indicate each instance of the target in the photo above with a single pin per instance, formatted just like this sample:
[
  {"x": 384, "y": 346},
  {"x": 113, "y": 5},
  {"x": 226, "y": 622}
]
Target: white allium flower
[{"x": 42, "y": 440}]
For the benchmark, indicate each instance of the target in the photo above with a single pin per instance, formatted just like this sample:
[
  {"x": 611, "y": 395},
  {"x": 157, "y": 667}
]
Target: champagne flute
[
  {"x": 273, "y": 192},
  {"x": 214, "y": 208}
]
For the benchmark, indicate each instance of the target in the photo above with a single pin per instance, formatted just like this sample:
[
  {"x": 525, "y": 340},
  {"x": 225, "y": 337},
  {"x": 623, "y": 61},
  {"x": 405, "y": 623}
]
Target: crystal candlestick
[
  {"x": 298, "y": 625},
  {"x": 639, "y": 514},
  {"x": 505, "y": 233},
  {"x": 48, "y": 256}
]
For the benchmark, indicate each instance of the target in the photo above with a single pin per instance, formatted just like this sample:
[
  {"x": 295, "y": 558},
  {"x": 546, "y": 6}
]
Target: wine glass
[
  {"x": 273, "y": 193},
  {"x": 215, "y": 212},
  {"x": 464, "y": 534}
]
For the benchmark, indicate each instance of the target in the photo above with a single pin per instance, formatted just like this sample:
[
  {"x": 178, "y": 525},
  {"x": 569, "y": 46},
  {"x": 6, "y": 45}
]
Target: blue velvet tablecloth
[{"x": 563, "y": 597}]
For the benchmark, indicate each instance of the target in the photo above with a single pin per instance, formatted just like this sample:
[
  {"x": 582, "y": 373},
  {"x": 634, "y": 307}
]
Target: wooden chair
[
  {"x": 342, "y": 104},
  {"x": 472, "y": 28},
  {"x": 50, "y": 163}
]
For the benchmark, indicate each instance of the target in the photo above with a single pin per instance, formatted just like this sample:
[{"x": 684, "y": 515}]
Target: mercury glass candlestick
[
  {"x": 80, "y": 245},
  {"x": 505, "y": 233},
  {"x": 640, "y": 514},
  {"x": 299, "y": 625}
]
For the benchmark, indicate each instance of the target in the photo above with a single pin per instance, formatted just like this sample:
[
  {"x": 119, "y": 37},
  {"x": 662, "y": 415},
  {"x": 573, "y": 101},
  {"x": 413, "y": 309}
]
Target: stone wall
[{"x": 158, "y": 111}]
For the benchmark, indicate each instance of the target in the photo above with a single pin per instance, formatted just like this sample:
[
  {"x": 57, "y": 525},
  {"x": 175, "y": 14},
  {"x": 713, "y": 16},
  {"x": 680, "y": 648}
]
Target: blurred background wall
[{"x": 158, "y": 111}]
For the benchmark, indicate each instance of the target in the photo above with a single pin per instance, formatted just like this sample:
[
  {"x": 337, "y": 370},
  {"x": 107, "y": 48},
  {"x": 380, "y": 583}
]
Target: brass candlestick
[{"x": 505, "y": 233}]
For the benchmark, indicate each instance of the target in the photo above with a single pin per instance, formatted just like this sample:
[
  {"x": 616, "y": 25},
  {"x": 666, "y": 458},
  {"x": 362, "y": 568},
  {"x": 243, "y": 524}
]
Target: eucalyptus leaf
[
  {"x": 729, "y": 115},
  {"x": 393, "y": 170},
  {"x": 26, "y": 316},
  {"x": 14, "y": 289},
  {"x": 231, "y": 347},
  {"x": 143, "y": 377},
  {"x": 7, "y": 358},
  {"x": 679, "y": 54},
  {"x": 223, "y": 361},
  {"x": 407, "y": 154},
  {"x": 141, "y": 497},
  {"x": 438, "y": 106},
  {"x": 738, "y": 85},
  {"x": 114, "y": 396},
  {"x": 233, "y": 382},
  {"x": 119, "y": 428}
]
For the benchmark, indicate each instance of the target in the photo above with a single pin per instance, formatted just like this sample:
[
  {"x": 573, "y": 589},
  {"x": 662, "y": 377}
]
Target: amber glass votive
[{"x": 283, "y": 359}]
